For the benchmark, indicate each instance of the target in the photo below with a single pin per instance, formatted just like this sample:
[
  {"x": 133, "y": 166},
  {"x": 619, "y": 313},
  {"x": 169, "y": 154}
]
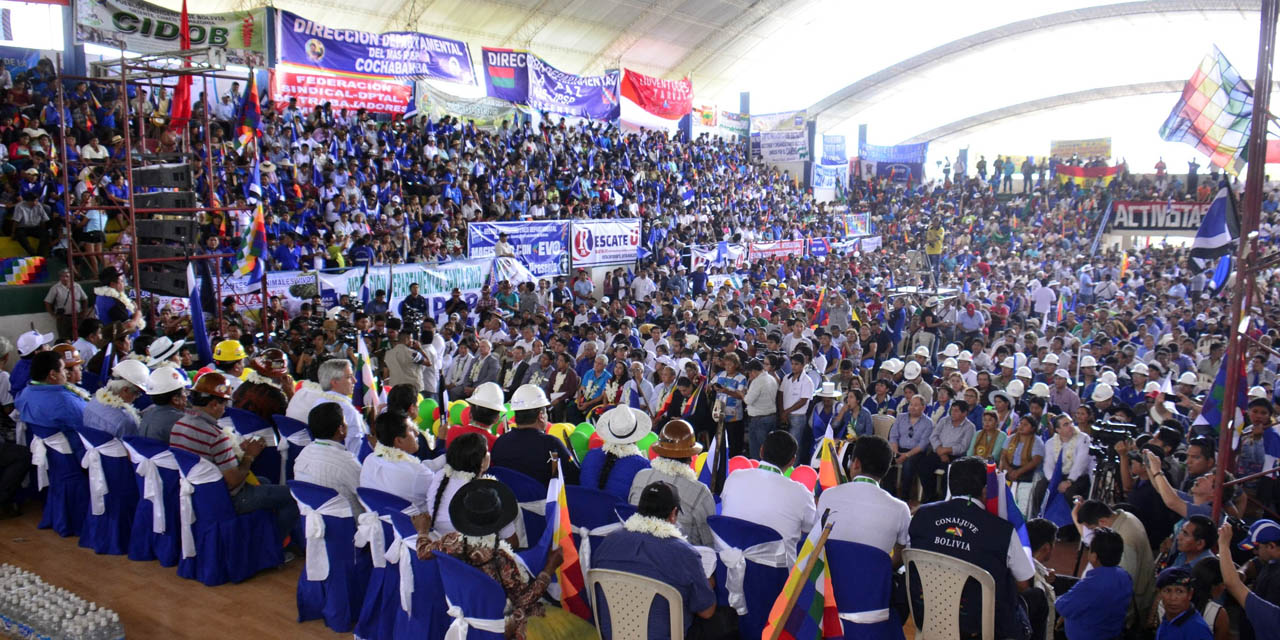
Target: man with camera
[{"x": 409, "y": 361}]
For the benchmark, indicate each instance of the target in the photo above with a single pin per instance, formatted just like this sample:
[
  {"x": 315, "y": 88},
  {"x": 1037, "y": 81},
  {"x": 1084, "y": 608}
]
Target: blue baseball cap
[{"x": 1261, "y": 532}]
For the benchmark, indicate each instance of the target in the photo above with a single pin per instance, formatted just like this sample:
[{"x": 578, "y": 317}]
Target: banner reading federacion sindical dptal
[
  {"x": 147, "y": 28},
  {"x": 596, "y": 243},
  {"x": 399, "y": 54},
  {"x": 375, "y": 95}
]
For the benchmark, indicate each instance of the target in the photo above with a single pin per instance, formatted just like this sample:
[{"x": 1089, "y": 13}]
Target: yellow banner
[{"x": 1091, "y": 148}]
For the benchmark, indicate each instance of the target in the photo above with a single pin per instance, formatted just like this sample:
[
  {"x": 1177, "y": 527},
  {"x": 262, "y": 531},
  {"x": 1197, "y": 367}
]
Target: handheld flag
[
  {"x": 1000, "y": 502},
  {"x": 1055, "y": 508},
  {"x": 1219, "y": 229},
  {"x": 569, "y": 574},
  {"x": 253, "y": 248},
  {"x": 180, "y": 112},
  {"x": 806, "y": 607},
  {"x": 829, "y": 472},
  {"x": 250, "y": 115},
  {"x": 1211, "y": 412},
  {"x": 204, "y": 351}
]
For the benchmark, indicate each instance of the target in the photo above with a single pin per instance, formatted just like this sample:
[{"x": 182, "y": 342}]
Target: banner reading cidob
[
  {"x": 375, "y": 95},
  {"x": 147, "y": 28},
  {"x": 399, "y": 54}
]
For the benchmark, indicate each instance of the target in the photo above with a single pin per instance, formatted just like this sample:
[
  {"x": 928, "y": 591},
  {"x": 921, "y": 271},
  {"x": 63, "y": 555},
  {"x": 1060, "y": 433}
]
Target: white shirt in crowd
[
  {"x": 761, "y": 396},
  {"x": 410, "y": 480},
  {"x": 862, "y": 512},
  {"x": 796, "y": 388},
  {"x": 329, "y": 464},
  {"x": 767, "y": 497}
]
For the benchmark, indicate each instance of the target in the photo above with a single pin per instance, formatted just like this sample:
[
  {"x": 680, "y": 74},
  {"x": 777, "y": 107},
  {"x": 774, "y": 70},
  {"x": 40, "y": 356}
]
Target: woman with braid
[
  {"x": 466, "y": 460},
  {"x": 614, "y": 465}
]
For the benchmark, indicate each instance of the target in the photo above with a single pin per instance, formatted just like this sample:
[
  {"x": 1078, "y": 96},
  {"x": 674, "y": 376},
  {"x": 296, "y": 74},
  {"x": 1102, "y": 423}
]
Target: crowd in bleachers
[{"x": 1080, "y": 375}]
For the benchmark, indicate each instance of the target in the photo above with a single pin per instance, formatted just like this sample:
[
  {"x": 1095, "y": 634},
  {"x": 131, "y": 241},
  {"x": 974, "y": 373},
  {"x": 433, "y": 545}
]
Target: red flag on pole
[{"x": 181, "y": 112}]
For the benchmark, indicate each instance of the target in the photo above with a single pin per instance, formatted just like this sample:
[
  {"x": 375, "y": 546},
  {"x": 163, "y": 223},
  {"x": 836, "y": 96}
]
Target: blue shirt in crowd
[{"x": 1096, "y": 606}]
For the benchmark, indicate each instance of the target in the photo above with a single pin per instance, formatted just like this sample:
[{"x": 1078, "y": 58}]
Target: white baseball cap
[{"x": 32, "y": 340}]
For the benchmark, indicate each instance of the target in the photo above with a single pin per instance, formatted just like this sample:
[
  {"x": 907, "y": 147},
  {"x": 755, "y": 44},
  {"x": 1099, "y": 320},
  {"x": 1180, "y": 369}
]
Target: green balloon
[
  {"x": 427, "y": 410},
  {"x": 581, "y": 439},
  {"x": 455, "y": 411},
  {"x": 647, "y": 441}
]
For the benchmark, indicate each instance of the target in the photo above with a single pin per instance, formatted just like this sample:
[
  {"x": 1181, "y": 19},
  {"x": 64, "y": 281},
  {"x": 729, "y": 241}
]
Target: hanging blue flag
[{"x": 1222, "y": 272}]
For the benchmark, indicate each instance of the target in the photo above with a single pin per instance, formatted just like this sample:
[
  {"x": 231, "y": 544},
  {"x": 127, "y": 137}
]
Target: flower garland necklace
[
  {"x": 84, "y": 395},
  {"x": 257, "y": 378},
  {"x": 112, "y": 400},
  {"x": 234, "y": 438},
  {"x": 620, "y": 450},
  {"x": 453, "y": 474},
  {"x": 117, "y": 296},
  {"x": 392, "y": 454},
  {"x": 655, "y": 527},
  {"x": 667, "y": 466},
  {"x": 332, "y": 395}
]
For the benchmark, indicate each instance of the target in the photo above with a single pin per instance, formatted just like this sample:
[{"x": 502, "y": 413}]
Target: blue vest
[{"x": 961, "y": 529}]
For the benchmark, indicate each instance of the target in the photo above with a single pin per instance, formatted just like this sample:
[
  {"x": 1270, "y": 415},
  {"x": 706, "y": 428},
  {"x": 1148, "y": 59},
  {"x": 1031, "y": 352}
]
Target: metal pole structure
[
  {"x": 67, "y": 197},
  {"x": 128, "y": 170},
  {"x": 1248, "y": 241}
]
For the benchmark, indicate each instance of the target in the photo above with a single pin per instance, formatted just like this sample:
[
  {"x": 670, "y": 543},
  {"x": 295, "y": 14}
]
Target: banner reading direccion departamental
[
  {"x": 147, "y": 28},
  {"x": 399, "y": 54}
]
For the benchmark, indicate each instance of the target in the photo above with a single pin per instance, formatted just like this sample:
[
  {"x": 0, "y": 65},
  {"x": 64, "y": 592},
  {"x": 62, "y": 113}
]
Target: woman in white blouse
[
  {"x": 1076, "y": 462},
  {"x": 466, "y": 459}
]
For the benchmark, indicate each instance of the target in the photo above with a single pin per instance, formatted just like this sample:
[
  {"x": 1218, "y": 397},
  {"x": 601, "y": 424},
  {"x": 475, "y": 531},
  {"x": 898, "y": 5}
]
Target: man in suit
[
  {"x": 462, "y": 360},
  {"x": 514, "y": 371},
  {"x": 484, "y": 368}
]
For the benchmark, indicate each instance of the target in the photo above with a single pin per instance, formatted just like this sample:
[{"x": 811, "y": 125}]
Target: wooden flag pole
[{"x": 803, "y": 575}]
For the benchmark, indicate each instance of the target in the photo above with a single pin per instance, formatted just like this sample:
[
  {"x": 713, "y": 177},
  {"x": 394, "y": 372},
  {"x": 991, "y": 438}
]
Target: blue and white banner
[
  {"x": 541, "y": 245},
  {"x": 398, "y": 54},
  {"x": 435, "y": 281},
  {"x": 871, "y": 243},
  {"x": 604, "y": 242},
  {"x": 17, "y": 60},
  {"x": 553, "y": 90},
  {"x": 827, "y": 177},
  {"x": 717, "y": 255},
  {"x": 821, "y": 247},
  {"x": 898, "y": 153},
  {"x": 833, "y": 150}
]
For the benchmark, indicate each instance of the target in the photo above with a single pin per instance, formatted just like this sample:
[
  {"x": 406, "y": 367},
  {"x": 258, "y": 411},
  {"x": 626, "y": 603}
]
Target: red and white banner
[
  {"x": 779, "y": 249},
  {"x": 653, "y": 103},
  {"x": 371, "y": 94},
  {"x": 595, "y": 243}
]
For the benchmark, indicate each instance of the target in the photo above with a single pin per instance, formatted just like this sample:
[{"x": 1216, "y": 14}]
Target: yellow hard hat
[{"x": 229, "y": 351}]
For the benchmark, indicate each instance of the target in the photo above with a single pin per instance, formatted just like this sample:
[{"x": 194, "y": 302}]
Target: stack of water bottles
[{"x": 32, "y": 608}]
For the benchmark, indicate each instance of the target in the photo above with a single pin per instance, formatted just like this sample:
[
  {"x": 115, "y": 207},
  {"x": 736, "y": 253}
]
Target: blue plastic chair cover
[
  {"x": 365, "y": 449},
  {"x": 426, "y": 617},
  {"x": 294, "y": 435},
  {"x": 382, "y": 598},
  {"x": 532, "y": 496},
  {"x": 475, "y": 600},
  {"x": 594, "y": 511},
  {"x": 226, "y": 547},
  {"x": 760, "y": 582},
  {"x": 67, "y": 501},
  {"x": 247, "y": 423},
  {"x": 336, "y": 573},
  {"x": 89, "y": 381},
  {"x": 862, "y": 577},
  {"x": 113, "y": 493},
  {"x": 152, "y": 458}
]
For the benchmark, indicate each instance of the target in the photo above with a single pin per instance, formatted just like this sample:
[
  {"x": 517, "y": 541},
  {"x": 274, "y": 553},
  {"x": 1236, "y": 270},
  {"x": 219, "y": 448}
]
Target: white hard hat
[
  {"x": 1007, "y": 362},
  {"x": 1040, "y": 390},
  {"x": 965, "y": 356},
  {"x": 487, "y": 395},
  {"x": 950, "y": 363},
  {"x": 1052, "y": 358},
  {"x": 1139, "y": 368},
  {"x": 1102, "y": 392},
  {"x": 1088, "y": 361},
  {"x": 1151, "y": 387},
  {"x": 133, "y": 371},
  {"x": 1015, "y": 389},
  {"x": 921, "y": 351},
  {"x": 892, "y": 365},
  {"x": 1257, "y": 392},
  {"x": 911, "y": 371},
  {"x": 951, "y": 351},
  {"x": 164, "y": 380},
  {"x": 528, "y": 396},
  {"x": 1024, "y": 372},
  {"x": 1062, "y": 373},
  {"x": 1187, "y": 377}
]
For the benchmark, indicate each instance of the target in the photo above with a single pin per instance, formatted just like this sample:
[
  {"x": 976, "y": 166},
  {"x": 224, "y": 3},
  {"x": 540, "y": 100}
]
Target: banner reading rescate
[{"x": 399, "y": 54}]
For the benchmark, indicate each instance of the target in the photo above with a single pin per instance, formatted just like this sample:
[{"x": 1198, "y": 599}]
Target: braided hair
[
  {"x": 467, "y": 454},
  {"x": 610, "y": 458}
]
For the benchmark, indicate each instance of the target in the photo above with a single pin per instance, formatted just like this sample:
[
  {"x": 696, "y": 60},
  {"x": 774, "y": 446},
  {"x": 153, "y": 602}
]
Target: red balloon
[
  {"x": 805, "y": 475},
  {"x": 740, "y": 462},
  {"x": 595, "y": 441}
]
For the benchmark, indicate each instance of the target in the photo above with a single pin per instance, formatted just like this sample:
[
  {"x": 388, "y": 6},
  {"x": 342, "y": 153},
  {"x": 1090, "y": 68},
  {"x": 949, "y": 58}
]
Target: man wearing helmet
[
  {"x": 527, "y": 447},
  {"x": 228, "y": 358},
  {"x": 111, "y": 409},
  {"x": 167, "y": 387},
  {"x": 198, "y": 432},
  {"x": 267, "y": 386},
  {"x": 73, "y": 363}
]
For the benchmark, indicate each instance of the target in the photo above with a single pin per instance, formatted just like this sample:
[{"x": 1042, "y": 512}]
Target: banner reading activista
[
  {"x": 598, "y": 243},
  {"x": 375, "y": 95},
  {"x": 399, "y": 54},
  {"x": 147, "y": 28},
  {"x": 654, "y": 103}
]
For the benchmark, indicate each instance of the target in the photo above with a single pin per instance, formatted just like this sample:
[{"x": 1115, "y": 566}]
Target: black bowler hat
[{"x": 483, "y": 507}]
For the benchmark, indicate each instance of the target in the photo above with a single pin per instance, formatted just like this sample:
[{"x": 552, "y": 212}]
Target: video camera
[{"x": 1106, "y": 435}]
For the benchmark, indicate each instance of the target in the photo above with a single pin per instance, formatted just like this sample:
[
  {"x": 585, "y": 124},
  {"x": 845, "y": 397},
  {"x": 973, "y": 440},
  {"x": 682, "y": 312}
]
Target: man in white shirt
[
  {"x": 643, "y": 286},
  {"x": 761, "y": 401},
  {"x": 861, "y": 511},
  {"x": 326, "y": 461},
  {"x": 797, "y": 388},
  {"x": 766, "y": 496},
  {"x": 392, "y": 467},
  {"x": 337, "y": 383}
]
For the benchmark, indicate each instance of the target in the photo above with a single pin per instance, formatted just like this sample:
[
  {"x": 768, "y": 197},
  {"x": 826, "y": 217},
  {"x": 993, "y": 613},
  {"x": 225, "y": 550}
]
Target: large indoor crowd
[{"x": 1016, "y": 344}]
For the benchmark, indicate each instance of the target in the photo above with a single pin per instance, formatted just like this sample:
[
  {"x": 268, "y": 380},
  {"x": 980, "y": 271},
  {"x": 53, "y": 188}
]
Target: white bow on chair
[
  {"x": 152, "y": 483},
  {"x": 204, "y": 472},
  {"x": 40, "y": 455},
  {"x": 773, "y": 554},
  {"x": 462, "y": 624},
  {"x": 92, "y": 461},
  {"x": 401, "y": 552},
  {"x": 317, "y": 554},
  {"x": 584, "y": 544},
  {"x": 297, "y": 439},
  {"x": 538, "y": 507},
  {"x": 369, "y": 532}
]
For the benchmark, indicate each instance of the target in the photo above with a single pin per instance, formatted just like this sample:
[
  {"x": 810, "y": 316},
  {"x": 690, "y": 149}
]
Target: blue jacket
[
  {"x": 51, "y": 406},
  {"x": 1096, "y": 606}
]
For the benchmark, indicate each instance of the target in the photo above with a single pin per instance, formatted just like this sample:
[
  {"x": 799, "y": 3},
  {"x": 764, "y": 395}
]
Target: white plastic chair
[
  {"x": 942, "y": 579},
  {"x": 629, "y": 598},
  {"x": 882, "y": 425}
]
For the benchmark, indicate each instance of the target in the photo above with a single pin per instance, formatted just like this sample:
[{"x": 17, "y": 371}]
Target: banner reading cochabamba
[
  {"x": 780, "y": 137},
  {"x": 554, "y": 91},
  {"x": 375, "y": 95},
  {"x": 597, "y": 243},
  {"x": 147, "y": 28},
  {"x": 540, "y": 244},
  {"x": 398, "y": 54}
]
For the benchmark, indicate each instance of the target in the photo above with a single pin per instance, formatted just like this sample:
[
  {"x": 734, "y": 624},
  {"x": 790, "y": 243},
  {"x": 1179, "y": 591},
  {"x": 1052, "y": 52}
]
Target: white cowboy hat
[
  {"x": 624, "y": 425},
  {"x": 828, "y": 390},
  {"x": 162, "y": 349}
]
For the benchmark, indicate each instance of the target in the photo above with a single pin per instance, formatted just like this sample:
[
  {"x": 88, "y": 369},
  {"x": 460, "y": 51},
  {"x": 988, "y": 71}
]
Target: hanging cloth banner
[
  {"x": 147, "y": 28},
  {"x": 654, "y": 103},
  {"x": 398, "y": 54},
  {"x": 553, "y": 90},
  {"x": 506, "y": 74}
]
